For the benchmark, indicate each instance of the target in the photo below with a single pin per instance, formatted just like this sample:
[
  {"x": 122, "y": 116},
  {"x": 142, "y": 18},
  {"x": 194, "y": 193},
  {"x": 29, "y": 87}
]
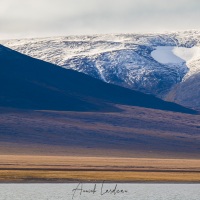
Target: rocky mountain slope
[{"x": 159, "y": 64}]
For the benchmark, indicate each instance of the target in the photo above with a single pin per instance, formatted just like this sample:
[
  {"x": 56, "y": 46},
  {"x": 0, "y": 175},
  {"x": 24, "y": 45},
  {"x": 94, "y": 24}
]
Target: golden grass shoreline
[
  {"x": 25, "y": 176},
  {"x": 65, "y": 169}
]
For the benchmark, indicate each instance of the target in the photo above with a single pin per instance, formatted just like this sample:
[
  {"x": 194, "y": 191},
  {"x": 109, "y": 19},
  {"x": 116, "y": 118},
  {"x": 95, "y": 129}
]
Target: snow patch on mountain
[
  {"x": 168, "y": 54},
  {"x": 180, "y": 56},
  {"x": 187, "y": 54}
]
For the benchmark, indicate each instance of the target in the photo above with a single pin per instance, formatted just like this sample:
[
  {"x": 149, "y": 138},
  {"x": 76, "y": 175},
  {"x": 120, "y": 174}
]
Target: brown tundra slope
[{"x": 134, "y": 132}]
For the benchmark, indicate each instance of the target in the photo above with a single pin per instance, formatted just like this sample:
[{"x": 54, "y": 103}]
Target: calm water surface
[{"x": 100, "y": 191}]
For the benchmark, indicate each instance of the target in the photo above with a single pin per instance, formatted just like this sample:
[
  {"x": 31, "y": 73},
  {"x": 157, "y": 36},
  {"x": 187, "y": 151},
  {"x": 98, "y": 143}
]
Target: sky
[{"x": 40, "y": 18}]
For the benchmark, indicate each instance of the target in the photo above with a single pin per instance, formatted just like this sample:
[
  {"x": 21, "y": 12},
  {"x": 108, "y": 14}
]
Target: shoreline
[
  {"x": 72, "y": 169},
  {"x": 97, "y": 182},
  {"x": 41, "y": 176}
]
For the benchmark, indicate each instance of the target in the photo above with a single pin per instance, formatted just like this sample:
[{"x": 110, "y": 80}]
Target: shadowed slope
[{"x": 33, "y": 84}]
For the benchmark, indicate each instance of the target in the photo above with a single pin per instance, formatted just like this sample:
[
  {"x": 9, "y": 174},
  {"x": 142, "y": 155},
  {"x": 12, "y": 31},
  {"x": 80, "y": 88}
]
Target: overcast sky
[{"x": 38, "y": 18}]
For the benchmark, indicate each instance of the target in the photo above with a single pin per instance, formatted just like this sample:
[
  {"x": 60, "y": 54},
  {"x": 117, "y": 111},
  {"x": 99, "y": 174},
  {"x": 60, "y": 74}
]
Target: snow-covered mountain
[{"x": 152, "y": 63}]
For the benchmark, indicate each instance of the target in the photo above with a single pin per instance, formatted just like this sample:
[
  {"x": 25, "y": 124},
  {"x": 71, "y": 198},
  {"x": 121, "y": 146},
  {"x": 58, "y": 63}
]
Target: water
[{"x": 125, "y": 192}]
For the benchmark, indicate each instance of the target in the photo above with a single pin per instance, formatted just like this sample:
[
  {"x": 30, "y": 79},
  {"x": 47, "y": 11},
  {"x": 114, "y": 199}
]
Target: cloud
[{"x": 22, "y": 18}]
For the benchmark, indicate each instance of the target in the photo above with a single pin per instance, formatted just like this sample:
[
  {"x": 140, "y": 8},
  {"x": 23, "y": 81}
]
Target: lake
[{"x": 100, "y": 191}]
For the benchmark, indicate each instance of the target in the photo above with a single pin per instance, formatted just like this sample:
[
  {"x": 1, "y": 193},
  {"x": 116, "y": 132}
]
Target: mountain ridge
[
  {"x": 31, "y": 83},
  {"x": 121, "y": 59}
]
